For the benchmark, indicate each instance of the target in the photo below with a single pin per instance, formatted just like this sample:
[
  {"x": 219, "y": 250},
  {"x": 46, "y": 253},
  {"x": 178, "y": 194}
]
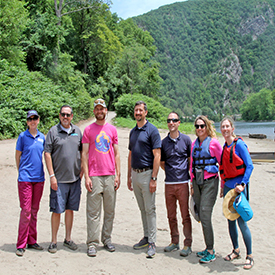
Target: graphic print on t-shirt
[{"x": 102, "y": 143}]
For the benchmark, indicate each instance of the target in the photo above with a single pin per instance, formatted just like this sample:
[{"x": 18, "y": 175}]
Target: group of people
[{"x": 69, "y": 156}]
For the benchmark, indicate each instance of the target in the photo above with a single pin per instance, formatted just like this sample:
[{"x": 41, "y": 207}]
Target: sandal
[
  {"x": 232, "y": 256},
  {"x": 248, "y": 265}
]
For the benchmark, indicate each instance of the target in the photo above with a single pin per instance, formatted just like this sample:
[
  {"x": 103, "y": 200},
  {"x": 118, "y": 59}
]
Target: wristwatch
[{"x": 153, "y": 178}]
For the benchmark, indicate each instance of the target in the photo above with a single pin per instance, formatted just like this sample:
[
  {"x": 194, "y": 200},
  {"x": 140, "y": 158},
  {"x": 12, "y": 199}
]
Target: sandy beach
[{"x": 128, "y": 228}]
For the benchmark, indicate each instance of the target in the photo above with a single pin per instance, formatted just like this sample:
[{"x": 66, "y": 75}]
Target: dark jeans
[{"x": 205, "y": 198}]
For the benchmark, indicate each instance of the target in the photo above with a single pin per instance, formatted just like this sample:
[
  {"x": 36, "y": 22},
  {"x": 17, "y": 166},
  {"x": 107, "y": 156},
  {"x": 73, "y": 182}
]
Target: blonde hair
[
  {"x": 209, "y": 127},
  {"x": 231, "y": 121}
]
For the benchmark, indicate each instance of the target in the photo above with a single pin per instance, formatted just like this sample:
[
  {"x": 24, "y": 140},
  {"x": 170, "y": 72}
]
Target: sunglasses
[
  {"x": 174, "y": 120},
  {"x": 99, "y": 101},
  {"x": 65, "y": 115},
  {"x": 199, "y": 126},
  {"x": 32, "y": 118}
]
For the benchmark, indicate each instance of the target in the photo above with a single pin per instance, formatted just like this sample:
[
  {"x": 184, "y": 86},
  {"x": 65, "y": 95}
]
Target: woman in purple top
[
  {"x": 206, "y": 154},
  {"x": 28, "y": 157}
]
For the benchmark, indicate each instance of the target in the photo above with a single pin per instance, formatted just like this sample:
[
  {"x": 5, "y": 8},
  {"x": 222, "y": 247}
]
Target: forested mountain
[{"x": 212, "y": 53}]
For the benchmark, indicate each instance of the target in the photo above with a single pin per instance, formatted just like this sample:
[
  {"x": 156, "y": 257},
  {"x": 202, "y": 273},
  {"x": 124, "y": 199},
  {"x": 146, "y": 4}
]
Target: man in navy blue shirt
[
  {"x": 143, "y": 166},
  {"x": 175, "y": 154}
]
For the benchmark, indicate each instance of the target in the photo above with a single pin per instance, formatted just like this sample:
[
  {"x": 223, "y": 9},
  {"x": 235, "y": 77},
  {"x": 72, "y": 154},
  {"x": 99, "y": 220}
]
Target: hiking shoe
[
  {"x": 202, "y": 253},
  {"x": 208, "y": 258},
  {"x": 91, "y": 252},
  {"x": 110, "y": 247},
  {"x": 35, "y": 246},
  {"x": 20, "y": 252},
  {"x": 52, "y": 248},
  {"x": 151, "y": 252},
  {"x": 186, "y": 251},
  {"x": 171, "y": 247},
  {"x": 70, "y": 244},
  {"x": 142, "y": 243}
]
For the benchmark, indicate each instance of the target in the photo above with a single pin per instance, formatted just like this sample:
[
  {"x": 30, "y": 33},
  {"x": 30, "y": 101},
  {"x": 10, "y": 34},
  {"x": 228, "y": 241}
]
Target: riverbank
[{"x": 128, "y": 229}]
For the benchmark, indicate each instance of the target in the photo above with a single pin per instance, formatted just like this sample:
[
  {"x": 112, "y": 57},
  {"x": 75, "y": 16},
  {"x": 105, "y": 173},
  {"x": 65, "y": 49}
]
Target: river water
[{"x": 245, "y": 128}]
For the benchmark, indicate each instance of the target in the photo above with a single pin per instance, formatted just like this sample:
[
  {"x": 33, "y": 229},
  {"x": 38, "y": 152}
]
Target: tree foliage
[
  {"x": 55, "y": 52},
  {"x": 13, "y": 19},
  {"x": 259, "y": 106}
]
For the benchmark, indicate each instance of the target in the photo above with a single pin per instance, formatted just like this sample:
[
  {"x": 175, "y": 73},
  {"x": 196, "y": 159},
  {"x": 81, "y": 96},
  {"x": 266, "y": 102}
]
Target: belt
[{"x": 142, "y": 169}]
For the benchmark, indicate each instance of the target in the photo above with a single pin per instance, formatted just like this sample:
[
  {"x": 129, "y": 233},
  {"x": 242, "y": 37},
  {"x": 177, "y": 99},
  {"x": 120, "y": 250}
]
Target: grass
[{"x": 185, "y": 127}]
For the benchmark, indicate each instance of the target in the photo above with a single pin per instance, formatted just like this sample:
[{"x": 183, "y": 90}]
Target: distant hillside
[{"x": 213, "y": 53}]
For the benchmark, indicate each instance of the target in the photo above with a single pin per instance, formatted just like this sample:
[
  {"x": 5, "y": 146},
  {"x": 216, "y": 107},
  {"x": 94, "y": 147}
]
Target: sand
[{"x": 128, "y": 229}]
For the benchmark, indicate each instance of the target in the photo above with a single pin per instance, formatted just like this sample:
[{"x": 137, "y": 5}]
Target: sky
[{"x": 130, "y": 8}]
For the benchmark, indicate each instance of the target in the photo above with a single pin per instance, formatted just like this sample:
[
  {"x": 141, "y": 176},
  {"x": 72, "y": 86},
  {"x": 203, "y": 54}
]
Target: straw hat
[
  {"x": 193, "y": 209},
  {"x": 228, "y": 210}
]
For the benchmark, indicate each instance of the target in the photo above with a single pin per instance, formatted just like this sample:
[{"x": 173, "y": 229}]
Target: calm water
[{"x": 245, "y": 128}]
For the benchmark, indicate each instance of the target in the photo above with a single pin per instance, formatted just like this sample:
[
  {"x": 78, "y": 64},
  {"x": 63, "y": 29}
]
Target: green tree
[
  {"x": 259, "y": 106},
  {"x": 13, "y": 19}
]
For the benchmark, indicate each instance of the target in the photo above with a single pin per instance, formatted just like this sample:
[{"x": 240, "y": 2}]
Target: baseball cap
[
  {"x": 100, "y": 102},
  {"x": 32, "y": 113}
]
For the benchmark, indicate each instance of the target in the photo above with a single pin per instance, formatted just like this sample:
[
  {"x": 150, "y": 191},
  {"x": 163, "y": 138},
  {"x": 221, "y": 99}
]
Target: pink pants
[{"x": 30, "y": 194}]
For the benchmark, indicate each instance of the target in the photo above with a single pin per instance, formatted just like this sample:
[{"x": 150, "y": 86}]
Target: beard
[{"x": 100, "y": 117}]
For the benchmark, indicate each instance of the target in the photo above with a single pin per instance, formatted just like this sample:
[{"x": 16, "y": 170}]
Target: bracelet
[{"x": 52, "y": 175}]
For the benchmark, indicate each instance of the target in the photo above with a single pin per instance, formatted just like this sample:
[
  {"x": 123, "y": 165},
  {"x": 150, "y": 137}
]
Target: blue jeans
[{"x": 233, "y": 231}]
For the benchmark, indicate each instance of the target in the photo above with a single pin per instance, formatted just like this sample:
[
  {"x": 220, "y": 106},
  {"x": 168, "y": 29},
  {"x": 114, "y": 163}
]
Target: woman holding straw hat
[
  {"x": 206, "y": 153},
  {"x": 235, "y": 171}
]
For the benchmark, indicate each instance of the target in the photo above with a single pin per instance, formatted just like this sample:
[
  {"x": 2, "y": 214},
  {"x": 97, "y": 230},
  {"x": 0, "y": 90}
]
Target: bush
[
  {"x": 125, "y": 107},
  {"x": 21, "y": 91}
]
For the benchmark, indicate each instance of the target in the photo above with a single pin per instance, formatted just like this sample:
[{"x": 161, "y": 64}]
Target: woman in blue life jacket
[
  {"x": 235, "y": 170},
  {"x": 206, "y": 153},
  {"x": 28, "y": 157}
]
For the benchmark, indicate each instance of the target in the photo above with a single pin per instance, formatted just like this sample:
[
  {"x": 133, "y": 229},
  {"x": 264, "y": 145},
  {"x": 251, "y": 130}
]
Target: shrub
[
  {"x": 21, "y": 91},
  {"x": 125, "y": 107}
]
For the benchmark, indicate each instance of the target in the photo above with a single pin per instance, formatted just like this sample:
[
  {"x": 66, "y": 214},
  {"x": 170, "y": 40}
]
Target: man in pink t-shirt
[{"x": 101, "y": 166}]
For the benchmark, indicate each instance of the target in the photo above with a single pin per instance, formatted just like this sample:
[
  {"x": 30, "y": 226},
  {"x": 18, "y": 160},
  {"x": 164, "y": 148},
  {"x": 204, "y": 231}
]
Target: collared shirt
[
  {"x": 141, "y": 143},
  {"x": 31, "y": 165},
  {"x": 175, "y": 154},
  {"x": 65, "y": 149}
]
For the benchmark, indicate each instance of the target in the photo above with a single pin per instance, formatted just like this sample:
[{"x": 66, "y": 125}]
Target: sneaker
[
  {"x": 186, "y": 251},
  {"x": 20, "y": 252},
  {"x": 35, "y": 246},
  {"x": 70, "y": 244},
  {"x": 171, "y": 247},
  {"x": 208, "y": 258},
  {"x": 91, "y": 252},
  {"x": 110, "y": 247},
  {"x": 52, "y": 247},
  {"x": 202, "y": 253},
  {"x": 151, "y": 252},
  {"x": 142, "y": 243}
]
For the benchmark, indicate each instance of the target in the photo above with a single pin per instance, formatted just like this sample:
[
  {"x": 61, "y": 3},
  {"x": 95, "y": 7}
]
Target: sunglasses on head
[
  {"x": 199, "y": 126},
  {"x": 173, "y": 120},
  {"x": 32, "y": 118},
  {"x": 99, "y": 101},
  {"x": 65, "y": 115}
]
